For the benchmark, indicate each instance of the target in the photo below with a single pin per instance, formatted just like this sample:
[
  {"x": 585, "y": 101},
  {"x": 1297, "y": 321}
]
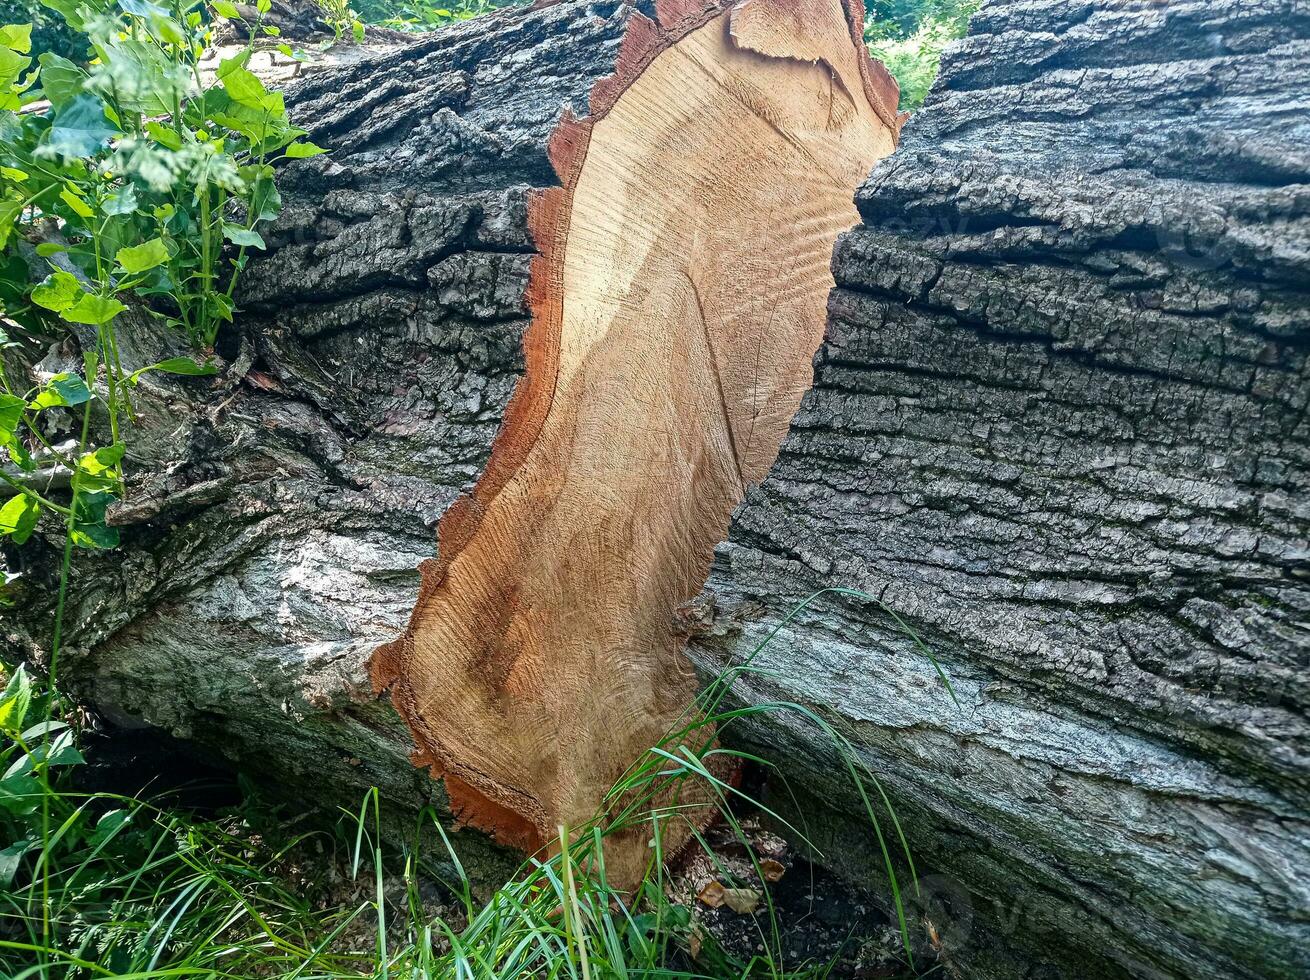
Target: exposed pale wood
[{"x": 677, "y": 304}]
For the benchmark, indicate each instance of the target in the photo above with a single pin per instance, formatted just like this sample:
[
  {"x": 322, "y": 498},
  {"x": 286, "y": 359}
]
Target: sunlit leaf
[
  {"x": 18, "y": 518},
  {"x": 139, "y": 258},
  {"x": 79, "y": 206},
  {"x": 243, "y": 236},
  {"x": 93, "y": 309},
  {"x": 57, "y": 291},
  {"x": 298, "y": 151},
  {"x": 17, "y": 36},
  {"x": 15, "y": 700}
]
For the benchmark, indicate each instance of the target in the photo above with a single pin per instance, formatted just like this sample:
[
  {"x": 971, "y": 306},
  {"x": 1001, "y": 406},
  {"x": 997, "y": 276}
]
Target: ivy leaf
[
  {"x": 57, "y": 291},
  {"x": 163, "y": 136},
  {"x": 80, "y": 127},
  {"x": 61, "y": 80},
  {"x": 18, "y": 517},
  {"x": 93, "y": 310},
  {"x": 242, "y": 236},
  {"x": 139, "y": 258},
  {"x": 12, "y": 64},
  {"x": 299, "y": 151},
  {"x": 71, "y": 10}
]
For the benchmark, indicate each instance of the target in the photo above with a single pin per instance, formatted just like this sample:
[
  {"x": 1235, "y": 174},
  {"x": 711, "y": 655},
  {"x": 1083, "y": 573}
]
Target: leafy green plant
[
  {"x": 425, "y": 15},
  {"x": 908, "y": 36},
  {"x": 342, "y": 19},
  {"x": 133, "y": 186}
]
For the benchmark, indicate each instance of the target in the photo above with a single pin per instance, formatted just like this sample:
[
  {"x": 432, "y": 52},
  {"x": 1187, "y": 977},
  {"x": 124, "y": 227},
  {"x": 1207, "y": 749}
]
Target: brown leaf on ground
[
  {"x": 772, "y": 870},
  {"x": 743, "y": 901},
  {"x": 712, "y": 894}
]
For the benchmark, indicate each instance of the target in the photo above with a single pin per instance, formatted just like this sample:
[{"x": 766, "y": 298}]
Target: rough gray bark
[
  {"x": 1059, "y": 424},
  {"x": 273, "y": 539}
]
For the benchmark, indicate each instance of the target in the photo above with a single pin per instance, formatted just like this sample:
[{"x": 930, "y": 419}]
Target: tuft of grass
[{"x": 127, "y": 887}]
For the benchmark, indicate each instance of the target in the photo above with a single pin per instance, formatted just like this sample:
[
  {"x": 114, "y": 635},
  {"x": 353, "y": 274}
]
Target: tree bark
[
  {"x": 676, "y": 284},
  {"x": 1059, "y": 427},
  {"x": 273, "y": 534}
]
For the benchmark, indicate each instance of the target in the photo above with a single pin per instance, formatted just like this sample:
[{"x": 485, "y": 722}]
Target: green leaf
[
  {"x": 79, "y": 206},
  {"x": 139, "y": 258},
  {"x": 11, "y": 415},
  {"x": 298, "y": 151},
  {"x": 47, "y": 249},
  {"x": 226, "y": 10},
  {"x": 10, "y": 212},
  {"x": 240, "y": 83},
  {"x": 62, "y": 391},
  {"x": 12, "y": 64},
  {"x": 14, "y": 701},
  {"x": 89, "y": 530},
  {"x": 242, "y": 236},
  {"x": 163, "y": 135},
  {"x": 80, "y": 127},
  {"x": 11, "y": 859},
  {"x": 93, "y": 309},
  {"x": 71, "y": 10},
  {"x": 102, "y": 460},
  {"x": 263, "y": 6},
  {"x": 18, "y": 37},
  {"x": 174, "y": 365},
  {"x": 121, "y": 201},
  {"x": 14, "y": 174},
  {"x": 18, "y": 517},
  {"x": 57, "y": 291},
  {"x": 61, "y": 80},
  {"x": 271, "y": 31}
]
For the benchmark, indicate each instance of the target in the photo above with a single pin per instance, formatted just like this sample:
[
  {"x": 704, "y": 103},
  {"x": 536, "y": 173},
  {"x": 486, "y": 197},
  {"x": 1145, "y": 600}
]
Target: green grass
[{"x": 110, "y": 885}]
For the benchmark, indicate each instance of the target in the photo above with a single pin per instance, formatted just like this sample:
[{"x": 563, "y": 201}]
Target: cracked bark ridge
[
  {"x": 677, "y": 301},
  {"x": 1059, "y": 424},
  {"x": 276, "y": 519}
]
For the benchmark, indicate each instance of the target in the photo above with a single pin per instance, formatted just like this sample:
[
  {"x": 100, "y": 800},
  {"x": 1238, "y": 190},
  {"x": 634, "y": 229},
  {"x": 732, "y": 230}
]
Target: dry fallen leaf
[
  {"x": 694, "y": 944},
  {"x": 772, "y": 870},
  {"x": 743, "y": 901},
  {"x": 712, "y": 894}
]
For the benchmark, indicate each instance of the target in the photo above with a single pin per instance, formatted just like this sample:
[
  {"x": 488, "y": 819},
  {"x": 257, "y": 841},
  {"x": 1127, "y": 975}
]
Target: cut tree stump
[
  {"x": 657, "y": 196},
  {"x": 677, "y": 303}
]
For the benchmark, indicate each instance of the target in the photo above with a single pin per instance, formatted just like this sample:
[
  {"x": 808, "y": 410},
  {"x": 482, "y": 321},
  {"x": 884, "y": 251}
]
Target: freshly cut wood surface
[{"x": 677, "y": 302}]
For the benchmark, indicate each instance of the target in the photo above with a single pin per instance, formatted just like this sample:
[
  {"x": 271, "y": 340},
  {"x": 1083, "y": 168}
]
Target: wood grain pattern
[{"x": 677, "y": 301}]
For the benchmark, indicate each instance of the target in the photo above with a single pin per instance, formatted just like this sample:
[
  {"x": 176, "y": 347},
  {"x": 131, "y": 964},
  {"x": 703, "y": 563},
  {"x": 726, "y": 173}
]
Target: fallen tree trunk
[
  {"x": 658, "y": 197},
  {"x": 1059, "y": 427}
]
